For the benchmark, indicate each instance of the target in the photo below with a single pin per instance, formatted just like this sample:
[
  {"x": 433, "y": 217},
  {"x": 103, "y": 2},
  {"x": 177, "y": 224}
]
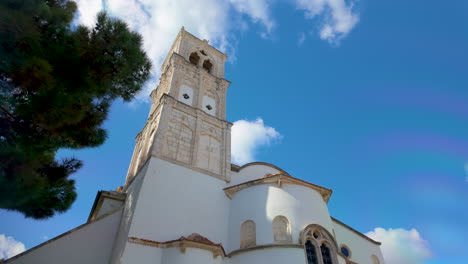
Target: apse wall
[{"x": 262, "y": 203}]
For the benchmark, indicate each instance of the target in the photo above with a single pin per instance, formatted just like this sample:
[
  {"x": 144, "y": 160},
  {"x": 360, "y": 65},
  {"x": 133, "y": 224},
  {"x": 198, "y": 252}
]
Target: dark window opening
[
  {"x": 311, "y": 254},
  {"x": 203, "y": 52},
  {"x": 209, "y": 107},
  {"x": 194, "y": 58},
  {"x": 207, "y": 65},
  {"x": 316, "y": 235},
  {"x": 186, "y": 96},
  {"x": 345, "y": 251},
  {"x": 326, "y": 256}
]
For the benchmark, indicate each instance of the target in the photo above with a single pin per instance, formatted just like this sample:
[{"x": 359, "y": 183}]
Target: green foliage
[{"x": 57, "y": 83}]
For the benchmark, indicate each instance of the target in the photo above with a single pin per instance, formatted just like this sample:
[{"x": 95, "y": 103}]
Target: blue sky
[{"x": 369, "y": 98}]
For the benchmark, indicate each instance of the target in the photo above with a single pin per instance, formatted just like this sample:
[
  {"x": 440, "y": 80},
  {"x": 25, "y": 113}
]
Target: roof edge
[
  {"x": 63, "y": 234},
  {"x": 355, "y": 231},
  {"x": 182, "y": 243},
  {"x": 280, "y": 179},
  {"x": 98, "y": 201},
  {"x": 237, "y": 168}
]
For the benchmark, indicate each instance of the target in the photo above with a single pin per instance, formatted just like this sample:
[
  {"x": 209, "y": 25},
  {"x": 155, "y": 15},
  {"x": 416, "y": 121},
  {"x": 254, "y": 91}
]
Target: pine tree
[{"x": 57, "y": 82}]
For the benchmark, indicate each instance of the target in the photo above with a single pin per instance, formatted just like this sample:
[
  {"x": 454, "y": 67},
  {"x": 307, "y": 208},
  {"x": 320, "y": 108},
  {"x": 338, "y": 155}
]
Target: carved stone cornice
[
  {"x": 262, "y": 247},
  {"x": 279, "y": 179},
  {"x": 193, "y": 241}
]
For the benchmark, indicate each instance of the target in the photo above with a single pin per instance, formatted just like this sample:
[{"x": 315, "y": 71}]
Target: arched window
[
  {"x": 194, "y": 58},
  {"x": 326, "y": 256},
  {"x": 248, "y": 234},
  {"x": 375, "y": 259},
  {"x": 207, "y": 65},
  {"x": 311, "y": 253},
  {"x": 324, "y": 245},
  {"x": 281, "y": 230}
]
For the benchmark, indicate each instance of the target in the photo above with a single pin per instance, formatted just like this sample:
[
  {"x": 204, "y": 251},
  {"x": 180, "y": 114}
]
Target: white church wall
[
  {"x": 270, "y": 256},
  {"x": 309, "y": 208},
  {"x": 191, "y": 255},
  {"x": 133, "y": 192},
  {"x": 262, "y": 203},
  {"x": 91, "y": 243},
  {"x": 175, "y": 201},
  {"x": 361, "y": 248},
  {"x": 144, "y": 254},
  {"x": 250, "y": 173}
]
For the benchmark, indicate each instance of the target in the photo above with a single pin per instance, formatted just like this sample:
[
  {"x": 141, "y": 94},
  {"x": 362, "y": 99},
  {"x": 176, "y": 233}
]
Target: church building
[{"x": 184, "y": 202}]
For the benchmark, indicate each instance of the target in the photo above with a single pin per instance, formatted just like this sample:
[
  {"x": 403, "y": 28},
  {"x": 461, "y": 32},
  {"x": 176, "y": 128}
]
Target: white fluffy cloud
[
  {"x": 258, "y": 10},
  {"x": 338, "y": 18},
  {"x": 248, "y": 136},
  {"x": 158, "y": 21},
  {"x": 9, "y": 247},
  {"x": 400, "y": 246}
]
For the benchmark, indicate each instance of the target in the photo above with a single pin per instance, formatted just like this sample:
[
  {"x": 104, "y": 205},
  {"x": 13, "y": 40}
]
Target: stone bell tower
[{"x": 186, "y": 124}]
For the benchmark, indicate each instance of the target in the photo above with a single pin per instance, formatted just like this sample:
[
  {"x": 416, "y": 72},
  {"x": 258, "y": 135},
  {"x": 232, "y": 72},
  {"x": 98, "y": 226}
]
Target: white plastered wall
[
  {"x": 144, "y": 254},
  {"x": 262, "y": 203},
  {"x": 133, "y": 192},
  {"x": 361, "y": 248},
  {"x": 109, "y": 205},
  {"x": 154, "y": 255},
  {"x": 90, "y": 244},
  {"x": 175, "y": 201},
  {"x": 191, "y": 255},
  {"x": 270, "y": 256}
]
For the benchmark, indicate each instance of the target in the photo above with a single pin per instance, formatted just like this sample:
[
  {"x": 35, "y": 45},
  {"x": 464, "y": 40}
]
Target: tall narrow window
[
  {"x": 326, "y": 256},
  {"x": 323, "y": 243},
  {"x": 248, "y": 234},
  {"x": 311, "y": 253},
  {"x": 281, "y": 230}
]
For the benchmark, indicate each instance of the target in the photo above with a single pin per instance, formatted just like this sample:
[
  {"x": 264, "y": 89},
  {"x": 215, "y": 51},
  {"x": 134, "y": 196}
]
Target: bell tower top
[
  {"x": 193, "y": 73},
  {"x": 198, "y": 52},
  {"x": 186, "y": 124}
]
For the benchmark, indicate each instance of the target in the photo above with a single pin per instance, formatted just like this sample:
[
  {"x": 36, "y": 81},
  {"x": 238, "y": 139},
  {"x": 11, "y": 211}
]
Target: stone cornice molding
[
  {"x": 182, "y": 243},
  {"x": 266, "y": 246},
  {"x": 280, "y": 179},
  {"x": 237, "y": 168}
]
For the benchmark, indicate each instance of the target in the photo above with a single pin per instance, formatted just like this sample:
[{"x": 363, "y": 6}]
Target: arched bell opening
[
  {"x": 194, "y": 58},
  {"x": 207, "y": 65}
]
